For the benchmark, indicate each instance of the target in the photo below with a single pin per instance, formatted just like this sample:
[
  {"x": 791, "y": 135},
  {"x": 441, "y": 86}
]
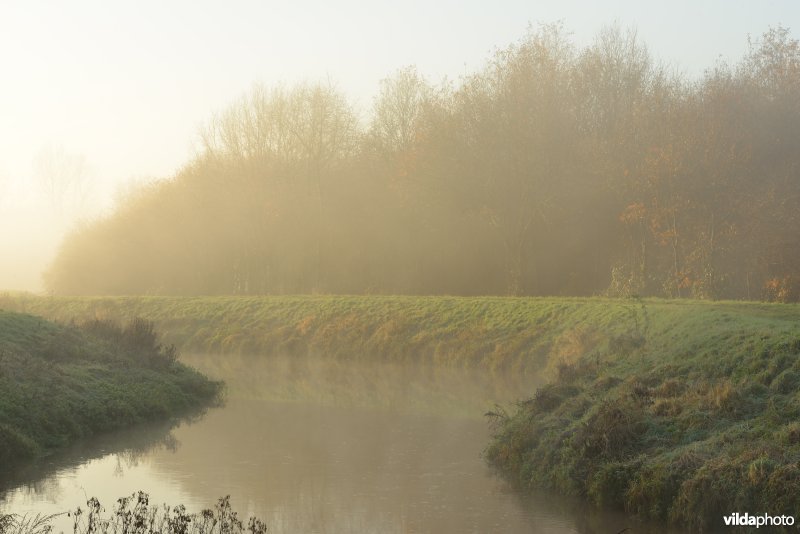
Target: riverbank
[
  {"x": 490, "y": 333},
  {"x": 60, "y": 383},
  {"x": 685, "y": 422},
  {"x": 679, "y": 411}
]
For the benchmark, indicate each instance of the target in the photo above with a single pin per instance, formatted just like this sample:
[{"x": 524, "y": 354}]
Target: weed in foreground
[
  {"x": 38, "y": 524},
  {"x": 135, "y": 515}
]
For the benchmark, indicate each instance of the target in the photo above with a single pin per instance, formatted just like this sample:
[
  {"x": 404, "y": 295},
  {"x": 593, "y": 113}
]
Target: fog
[
  {"x": 29, "y": 235},
  {"x": 312, "y": 445},
  {"x": 554, "y": 169},
  {"x": 59, "y": 192},
  {"x": 257, "y": 149},
  {"x": 128, "y": 89}
]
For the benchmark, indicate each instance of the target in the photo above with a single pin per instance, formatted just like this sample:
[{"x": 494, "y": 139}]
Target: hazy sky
[{"x": 126, "y": 85}]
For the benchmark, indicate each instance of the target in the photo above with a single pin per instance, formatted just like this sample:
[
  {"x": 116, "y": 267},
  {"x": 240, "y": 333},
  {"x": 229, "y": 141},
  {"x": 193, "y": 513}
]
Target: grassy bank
[
  {"x": 685, "y": 421},
  {"x": 679, "y": 411},
  {"x": 60, "y": 382},
  {"x": 493, "y": 333}
]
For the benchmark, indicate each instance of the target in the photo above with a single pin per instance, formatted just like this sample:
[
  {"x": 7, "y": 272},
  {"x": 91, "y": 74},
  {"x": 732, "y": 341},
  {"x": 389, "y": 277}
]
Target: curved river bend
[{"x": 318, "y": 447}]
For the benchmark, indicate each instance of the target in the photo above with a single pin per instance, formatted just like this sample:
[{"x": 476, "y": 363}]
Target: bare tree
[
  {"x": 514, "y": 126},
  {"x": 63, "y": 179},
  {"x": 397, "y": 112},
  {"x": 283, "y": 147}
]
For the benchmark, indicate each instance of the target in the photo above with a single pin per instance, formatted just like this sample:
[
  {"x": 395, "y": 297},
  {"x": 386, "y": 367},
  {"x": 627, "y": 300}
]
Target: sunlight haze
[{"x": 126, "y": 86}]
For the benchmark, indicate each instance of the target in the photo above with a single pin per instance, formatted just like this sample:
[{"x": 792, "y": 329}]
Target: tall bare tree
[{"x": 63, "y": 178}]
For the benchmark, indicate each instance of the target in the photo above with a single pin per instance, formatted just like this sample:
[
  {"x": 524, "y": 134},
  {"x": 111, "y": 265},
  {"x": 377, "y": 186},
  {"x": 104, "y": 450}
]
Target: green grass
[
  {"x": 684, "y": 421},
  {"x": 59, "y": 383},
  {"x": 679, "y": 411},
  {"x": 491, "y": 333}
]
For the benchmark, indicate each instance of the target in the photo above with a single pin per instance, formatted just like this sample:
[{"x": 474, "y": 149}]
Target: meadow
[{"x": 676, "y": 410}]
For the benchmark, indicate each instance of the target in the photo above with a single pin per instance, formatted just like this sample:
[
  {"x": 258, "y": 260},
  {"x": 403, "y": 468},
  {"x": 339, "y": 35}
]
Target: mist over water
[
  {"x": 563, "y": 163},
  {"x": 339, "y": 448}
]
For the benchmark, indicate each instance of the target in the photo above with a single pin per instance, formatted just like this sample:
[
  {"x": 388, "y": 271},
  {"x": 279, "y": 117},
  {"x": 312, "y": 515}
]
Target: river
[{"x": 320, "y": 447}]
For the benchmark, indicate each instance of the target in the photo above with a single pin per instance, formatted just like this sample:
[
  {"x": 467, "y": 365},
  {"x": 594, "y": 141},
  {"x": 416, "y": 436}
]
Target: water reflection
[
  {"x": 111, "y": 465},
  {"x": 320, "y": 469},
  {"x": 419, "y": 388},
  {"x": 129, "y": 446},
  {"x": 323, "y": 447}
]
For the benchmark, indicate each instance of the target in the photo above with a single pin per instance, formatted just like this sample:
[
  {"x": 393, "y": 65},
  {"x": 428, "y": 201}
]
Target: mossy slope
[
  {"x": 687, "y": 421},
  {"x": 59, "y": 383}
]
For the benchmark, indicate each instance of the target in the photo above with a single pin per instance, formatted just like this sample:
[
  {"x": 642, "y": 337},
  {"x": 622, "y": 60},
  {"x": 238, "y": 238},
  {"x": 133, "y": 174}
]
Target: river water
[{"x": 320, "y": 447}]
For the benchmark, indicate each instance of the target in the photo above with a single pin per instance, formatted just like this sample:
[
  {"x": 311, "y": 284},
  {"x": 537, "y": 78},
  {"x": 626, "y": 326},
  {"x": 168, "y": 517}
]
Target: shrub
[
  {"x": 612, "y": 431},
  {"x": 137, "y": 339},
  {"x": 609, "y": 485},
  {"x": 140, "y": 335},
  {"x": 550, "y": 396}
]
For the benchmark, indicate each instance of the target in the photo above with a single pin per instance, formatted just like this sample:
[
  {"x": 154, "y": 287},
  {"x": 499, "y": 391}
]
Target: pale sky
[{"x": 126, "y": 85}]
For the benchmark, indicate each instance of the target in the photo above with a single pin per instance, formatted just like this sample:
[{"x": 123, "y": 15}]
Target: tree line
[{"x": 553, "y": 170}]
